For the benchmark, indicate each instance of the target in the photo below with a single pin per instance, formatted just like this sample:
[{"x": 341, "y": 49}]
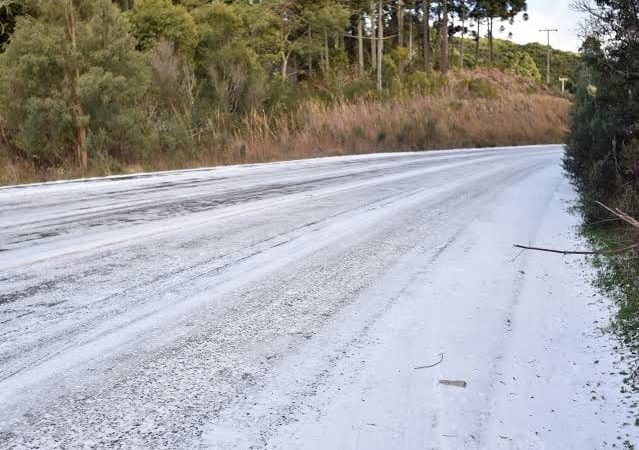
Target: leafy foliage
[
  {"x": 231, "y": 78},
  {"x": 153, "y": 21},
  {"x": 522, "y": 64},
  {"x": 39, "y": 88}
]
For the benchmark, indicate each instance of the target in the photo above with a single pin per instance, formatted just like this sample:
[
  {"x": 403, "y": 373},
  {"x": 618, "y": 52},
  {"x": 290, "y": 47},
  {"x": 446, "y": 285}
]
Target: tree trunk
[
  {"x": 426, "y": 26},
  {"x": 380, "y": 43},
  {"x": 461, "y": 43},
  {"x": 284, "y": 68},
  {"x": 477, "y": 41},
  {"x": 490, "y": 41},
  {"x": 373, "y": 36},
  {"x": 81, "y": 132},
  {"x": 444, "y": 37},
  {"x": 360, "y": 45},
  {"x": 400, "y": 23},
  {"x": 410, "y": 42},
  {"x": 327, "y": 55},
  {"x": 310, "y": 58}
]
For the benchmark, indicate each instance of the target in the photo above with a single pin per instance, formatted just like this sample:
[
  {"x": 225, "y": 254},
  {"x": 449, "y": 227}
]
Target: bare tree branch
[
  {"x": 578, "y": 252},
  {"x": 621, "y": 215}
]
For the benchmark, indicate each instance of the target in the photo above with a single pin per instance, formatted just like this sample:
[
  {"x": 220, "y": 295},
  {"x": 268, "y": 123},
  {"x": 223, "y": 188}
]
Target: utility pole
[{"x": 548, "y": 31}]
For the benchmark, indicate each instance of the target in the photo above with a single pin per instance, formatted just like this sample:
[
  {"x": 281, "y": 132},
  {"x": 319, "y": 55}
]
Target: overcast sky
[{"x": 548, "y": 14}]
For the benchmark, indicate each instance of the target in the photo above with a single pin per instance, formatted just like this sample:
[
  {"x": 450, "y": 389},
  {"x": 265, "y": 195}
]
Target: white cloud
[{"x": 547, "y": 14}]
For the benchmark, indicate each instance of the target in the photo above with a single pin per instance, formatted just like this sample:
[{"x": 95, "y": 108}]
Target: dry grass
[
  {"x": 497, "y": 110},
  {"x": 414, "y": 124}
]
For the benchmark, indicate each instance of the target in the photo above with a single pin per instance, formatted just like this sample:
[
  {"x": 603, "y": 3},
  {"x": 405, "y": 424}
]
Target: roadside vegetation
[
  {"x": 95, "y": 87},
  {"x": 617, "y": 277},
  {"x": 603, "y": 156}
]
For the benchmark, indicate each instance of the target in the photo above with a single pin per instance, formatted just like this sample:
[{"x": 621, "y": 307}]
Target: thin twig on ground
[
  {"x": 518, "y": 255},
  {"x": 441, "y": 358}
]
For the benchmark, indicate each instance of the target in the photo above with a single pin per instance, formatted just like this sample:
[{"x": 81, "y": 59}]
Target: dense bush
[
  {"x": 153, "y": 21},
  {"x": 603, "y": 150},
  {"x": 522, "y": 64}
]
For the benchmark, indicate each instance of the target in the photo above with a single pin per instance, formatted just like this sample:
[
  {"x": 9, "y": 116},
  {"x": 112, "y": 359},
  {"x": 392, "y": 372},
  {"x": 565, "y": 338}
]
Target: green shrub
[
  {"x": 419, "y": 82},
  {"x": 358, "y": 88},
  {"x": 399, "y": 56},
  {"x": 153, "y": 21},
  {"x": 522, "y": 64},
  {"x": 281, "y": 96},
  {"x": 390, "y": 74},
  {"x": 479, "y": 88}
]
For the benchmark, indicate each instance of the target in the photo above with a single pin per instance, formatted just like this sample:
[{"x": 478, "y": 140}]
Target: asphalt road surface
[{"x": 312, "y": 304}]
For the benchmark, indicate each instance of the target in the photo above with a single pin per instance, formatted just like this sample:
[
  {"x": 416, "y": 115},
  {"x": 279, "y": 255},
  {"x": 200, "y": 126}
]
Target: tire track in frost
[
  {"x": 176, "y": 225},
  {"x": 244, "y": 255},
  {"x": 297, "y": 400},
  {"x": 133, "y": 323}
]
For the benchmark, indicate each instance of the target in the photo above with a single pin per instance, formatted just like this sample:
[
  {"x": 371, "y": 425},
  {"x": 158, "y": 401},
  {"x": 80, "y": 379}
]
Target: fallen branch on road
[
  {"x": 577, "y": 252},
  {"x": 619, "y": 215}
]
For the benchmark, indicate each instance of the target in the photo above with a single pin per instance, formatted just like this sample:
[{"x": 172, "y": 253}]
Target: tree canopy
[{"x": 98, "y": 79}]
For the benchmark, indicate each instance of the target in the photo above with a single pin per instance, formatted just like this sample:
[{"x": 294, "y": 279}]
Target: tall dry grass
[
  {"x": 474, "y": 109},
  {"x": 417, "y": 123},
  {"x": 481, "y": 108}
]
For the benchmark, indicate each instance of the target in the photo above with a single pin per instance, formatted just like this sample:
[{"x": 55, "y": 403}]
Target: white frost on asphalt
[{"x": 287, "y": 306}]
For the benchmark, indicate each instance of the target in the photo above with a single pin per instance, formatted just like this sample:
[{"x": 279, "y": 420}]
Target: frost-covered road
[{"x": 287, "y": 305}]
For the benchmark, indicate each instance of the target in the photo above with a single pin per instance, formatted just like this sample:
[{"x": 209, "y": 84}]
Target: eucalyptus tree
[{"x": 69, "y": 75}]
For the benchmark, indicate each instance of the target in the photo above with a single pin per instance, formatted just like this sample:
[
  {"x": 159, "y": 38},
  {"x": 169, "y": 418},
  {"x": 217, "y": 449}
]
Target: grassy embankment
[
  {"x": 618, "y": 278},
  {"x": 481, "y": 108}
]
